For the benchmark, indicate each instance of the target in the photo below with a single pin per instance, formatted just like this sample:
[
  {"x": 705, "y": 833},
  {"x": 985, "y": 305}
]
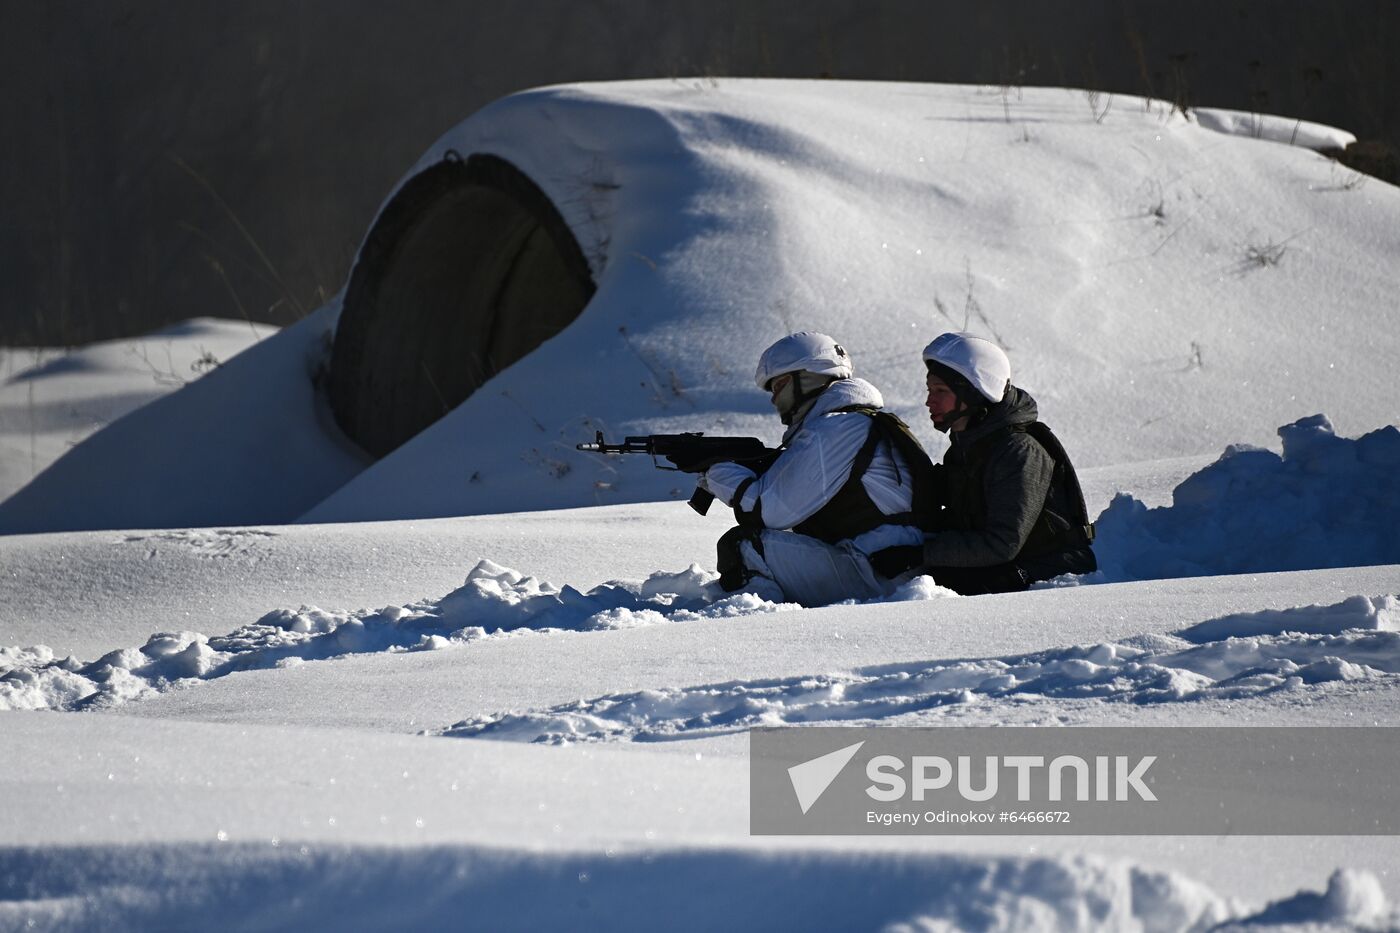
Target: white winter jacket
[{"x": 816, "y": 464}]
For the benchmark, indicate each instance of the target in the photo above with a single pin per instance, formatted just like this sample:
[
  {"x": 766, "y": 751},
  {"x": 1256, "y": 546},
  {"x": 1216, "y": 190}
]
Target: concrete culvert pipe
[{"x": 468, "y": 268}]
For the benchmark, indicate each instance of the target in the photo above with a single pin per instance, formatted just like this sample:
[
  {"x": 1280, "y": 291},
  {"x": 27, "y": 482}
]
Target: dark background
[{"x": 162, "y": 160}]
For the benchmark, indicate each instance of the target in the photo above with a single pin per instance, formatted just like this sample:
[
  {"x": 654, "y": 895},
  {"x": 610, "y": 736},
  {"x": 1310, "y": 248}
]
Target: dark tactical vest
[
  {"x": 851, "y": 511},
  {"x": 1063, "y": 525}
]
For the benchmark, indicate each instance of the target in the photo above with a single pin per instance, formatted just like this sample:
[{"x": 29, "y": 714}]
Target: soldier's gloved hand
[
  {"x": 893, "y": 561},
  {"x": 723, "y": 479}
]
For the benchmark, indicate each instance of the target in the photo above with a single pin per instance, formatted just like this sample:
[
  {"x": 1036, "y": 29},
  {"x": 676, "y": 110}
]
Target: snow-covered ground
[{"x": 535, "y": 716}]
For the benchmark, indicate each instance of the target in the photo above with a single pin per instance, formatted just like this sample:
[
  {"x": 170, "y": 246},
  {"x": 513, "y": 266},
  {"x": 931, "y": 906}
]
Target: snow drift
[
  {"x": 1282, "y": 651},
  {"x": 700, "y": 889},
  {"x": 1230, "y": 657},
  {"x": 1326, "y": 501}
]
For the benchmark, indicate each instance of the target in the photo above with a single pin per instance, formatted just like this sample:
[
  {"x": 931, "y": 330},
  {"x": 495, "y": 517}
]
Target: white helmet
[
  {"x": 982, "y": 363},
  {"x": 807, "y": 352}
]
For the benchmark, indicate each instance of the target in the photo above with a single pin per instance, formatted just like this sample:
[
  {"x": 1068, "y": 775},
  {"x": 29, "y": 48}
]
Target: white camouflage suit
[{"x": 816, "y": 463}]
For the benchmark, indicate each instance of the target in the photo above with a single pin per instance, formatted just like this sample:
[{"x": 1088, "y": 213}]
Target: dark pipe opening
[{"x": 468, "y": 268}]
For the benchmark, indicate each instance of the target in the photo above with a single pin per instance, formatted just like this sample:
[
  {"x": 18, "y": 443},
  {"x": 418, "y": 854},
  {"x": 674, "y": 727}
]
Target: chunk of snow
[
  {"x": 1353, "y": 899},
  {"x": 1327, "y": 501}
]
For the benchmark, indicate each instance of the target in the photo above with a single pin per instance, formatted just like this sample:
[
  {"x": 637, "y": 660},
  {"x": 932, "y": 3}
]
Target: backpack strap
[
  {"x": 890, "y": 427},
  {"x": 851, "y": 511},
  {"x": 1081, "y": 531}
]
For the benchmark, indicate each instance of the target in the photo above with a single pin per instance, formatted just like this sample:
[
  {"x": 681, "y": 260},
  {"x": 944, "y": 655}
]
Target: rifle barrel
[{"x": 629, "y": 446}]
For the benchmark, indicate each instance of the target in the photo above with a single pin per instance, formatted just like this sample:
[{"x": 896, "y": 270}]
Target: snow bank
[
  {"x": 494, "y": 600},
  {"x": 1327, "y": 501},
  {"x": 1229, "y": 657},
  {"x": 1233, "y": 657},
  {"x": 1353, "y": 900},
  {"x": 288, "y": 886},
  {"x": 1358, "y": 612}
]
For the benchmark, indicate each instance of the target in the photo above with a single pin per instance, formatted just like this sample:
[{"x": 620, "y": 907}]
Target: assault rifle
[{"x": 691, "y": 453}]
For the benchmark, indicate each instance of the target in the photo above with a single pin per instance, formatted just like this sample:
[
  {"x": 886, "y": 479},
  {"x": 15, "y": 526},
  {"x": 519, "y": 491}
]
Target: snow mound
[
  {"x": 1354, "y": 900},
  {"x": 288, "y": 887},
  {"x": 494, "y": 600},
  {"x": 1286, "y": 651},
  {"x": 1359, "y": 612},
  {"x": 1231, "y": 657},
  {"x": 1327, "y": 501}
]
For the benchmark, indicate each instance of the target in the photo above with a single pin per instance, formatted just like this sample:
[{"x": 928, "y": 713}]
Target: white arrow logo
[{"x": 811, "y": 778}]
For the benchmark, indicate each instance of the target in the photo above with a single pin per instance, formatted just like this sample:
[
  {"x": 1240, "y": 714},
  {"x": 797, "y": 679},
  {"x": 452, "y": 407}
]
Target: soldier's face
[
  {"x": 784, "y": 396},
  {"x": 942, "y": 404},
  {"x": 778, "y": 384}
]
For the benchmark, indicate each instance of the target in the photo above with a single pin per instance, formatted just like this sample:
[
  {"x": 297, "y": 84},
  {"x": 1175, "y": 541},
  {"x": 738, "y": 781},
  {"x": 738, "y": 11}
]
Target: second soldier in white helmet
[{"x": 849, "y": 480}]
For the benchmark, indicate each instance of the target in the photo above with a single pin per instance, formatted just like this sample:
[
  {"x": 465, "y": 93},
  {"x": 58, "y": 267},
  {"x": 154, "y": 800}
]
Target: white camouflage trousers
[{"x": 795, "y": 568}]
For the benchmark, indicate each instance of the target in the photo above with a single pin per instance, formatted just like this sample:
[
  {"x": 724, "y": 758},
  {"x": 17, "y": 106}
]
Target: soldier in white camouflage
[{"x": 850, "y": 480}]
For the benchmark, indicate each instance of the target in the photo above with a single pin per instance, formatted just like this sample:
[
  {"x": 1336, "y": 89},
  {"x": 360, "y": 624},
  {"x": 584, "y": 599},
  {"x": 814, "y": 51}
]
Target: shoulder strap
[
  {"x": 861, "y": 463},
  {"x": 891, "y": 427}
]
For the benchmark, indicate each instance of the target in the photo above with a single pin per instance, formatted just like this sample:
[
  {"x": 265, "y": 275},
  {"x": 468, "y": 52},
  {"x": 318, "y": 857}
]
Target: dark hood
[{"x": 1016, "y": 407}]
